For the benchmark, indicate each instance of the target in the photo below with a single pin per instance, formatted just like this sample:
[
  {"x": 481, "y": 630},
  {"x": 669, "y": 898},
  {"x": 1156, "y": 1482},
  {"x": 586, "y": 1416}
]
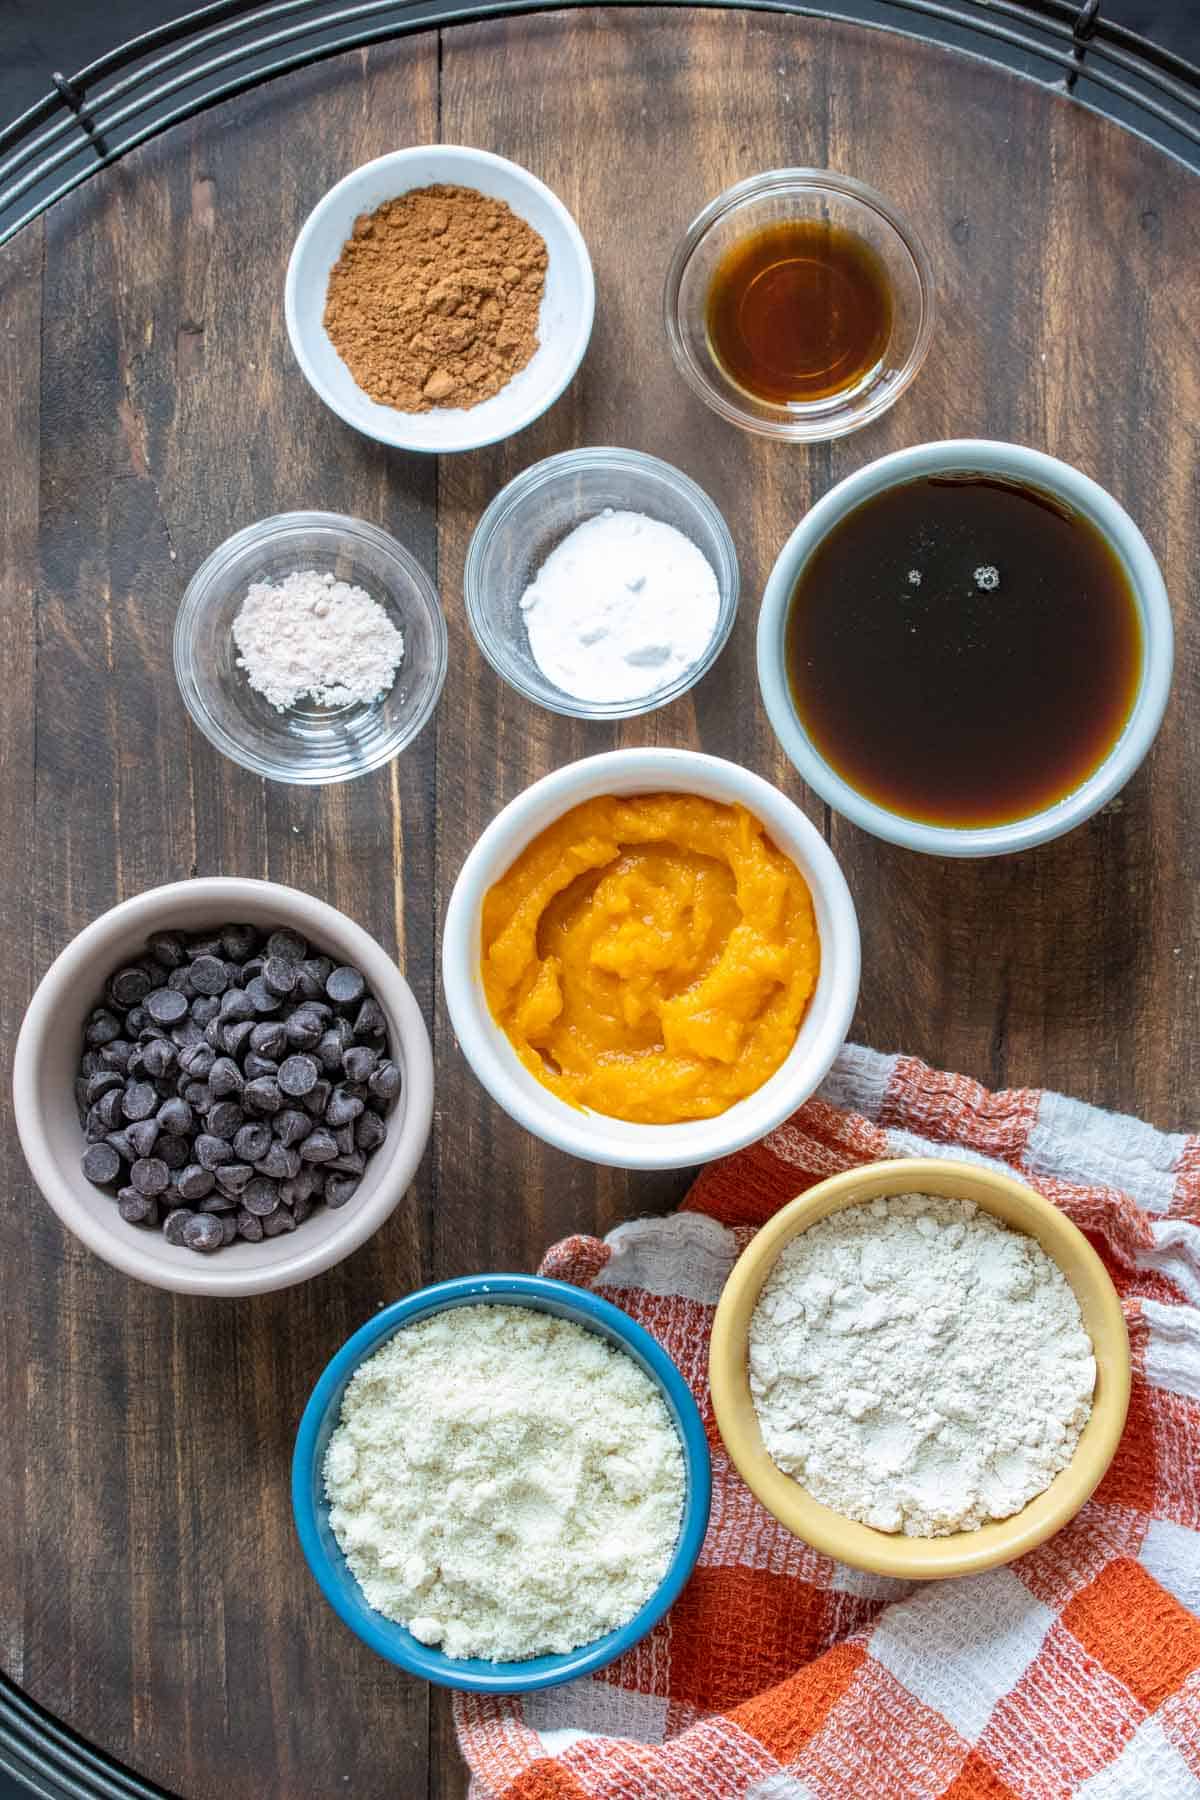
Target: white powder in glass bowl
[
  {"x": 313, "y": 635},
  {"x": 505, "y": 1483}
]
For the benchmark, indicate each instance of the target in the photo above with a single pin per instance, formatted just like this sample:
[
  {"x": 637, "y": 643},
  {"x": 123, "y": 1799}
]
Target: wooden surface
[{"x": 151, "y": 1591}]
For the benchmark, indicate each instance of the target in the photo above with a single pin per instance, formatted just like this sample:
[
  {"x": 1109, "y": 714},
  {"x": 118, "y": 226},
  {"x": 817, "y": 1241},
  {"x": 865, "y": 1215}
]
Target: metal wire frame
[{"x": 96, "y": 116}]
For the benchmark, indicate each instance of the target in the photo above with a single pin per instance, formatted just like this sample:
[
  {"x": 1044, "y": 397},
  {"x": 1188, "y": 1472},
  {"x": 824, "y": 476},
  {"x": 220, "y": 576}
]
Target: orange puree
[{"x": 651, "y": 957}]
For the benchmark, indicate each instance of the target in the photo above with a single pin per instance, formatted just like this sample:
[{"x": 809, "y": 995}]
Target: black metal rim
[{"x": 91, "y": 119}]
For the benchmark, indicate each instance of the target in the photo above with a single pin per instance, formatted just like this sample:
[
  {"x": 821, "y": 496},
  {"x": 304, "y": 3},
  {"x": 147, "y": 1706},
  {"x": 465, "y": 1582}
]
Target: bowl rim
[
  {"x": 586, "y": 1309},
  {"x": 883, "y": 1553},
  {"x": 276, "y": 529},
  {"x": 782, "y": 424},
  {"x": 604, "y": 457},
  {"x": 1067, "y": 484},
  {"x": 630, "y": 1146},
  {"x": 459, "y": 157},
  {"x": 77, "y": 963}
]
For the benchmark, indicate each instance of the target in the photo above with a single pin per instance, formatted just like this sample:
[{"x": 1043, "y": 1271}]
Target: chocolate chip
[
  {"x": 187, "y": 1035},
  {"x": 208, "y": 973},
  {"x": 291, "y": 1125},
  {"x": 252, "y": 1141},
  {"x": 198, "y": 1094},
  {"x": 179, "y": 981},
  {"x": 214, "y": 1036},
  {"x": 232, "y": 1177},
  {"x": 158, "y": 1057},
  {"x": 166, "y": 1005},
  {"x": 238, "y": 942},
  {"x": 100, "y": 1163},
  {"x": 224, "y": 1077},
  {"x": 167, "y": 948},
  {"x": 281, "y": 975},
  {"x": 236, "y": 1005},
  {"x": 140, "y": 1100},
  {"x": 129, "y": 987},
  {"x": 287, "y": 945},
  {"x": 345, "y": 1140},
  {"x": 261, "y": 997},
  {"x": 262, "y": 1096},
  {"x": 91, "y": 1061},
  {"x": 333, "y": 1046},
  {"x": 202, "y": 1232},
  {"x": 136, "y": 1021},
  {"x": 358, "y": 1062},
  {"x": 211, "y": 1151},
  {"x": 102, "y": 1028},
  {"x": 194, "y": 1182},
  {"x": 204, "y": 1009},
  {"x": 279, "y": 1163},
  {"x": 298, "y": 1076},
  {"x": 174, "y": 1151},
  {"x": 369, "y": 1020},
  {"x": 110, "y": 1107},
  {"x": 352, "y": 1164},
  {"x": 345, "y": 986},
  {"x": 137, "y": 1209},
  {"x": 174, "y": 1223},
  {"x": 343, "y": 1107},
  {"x": 316, "y": 1102},
  {"x": 204, "y": 943},
  {"x": 175, "y": 1116},
  {"x": 228, "y": 1229},
  {"x": 304, "y": 1029},
  {"x": 225, "y": 1119},
  {"x": 339, "y": 1189},
  {"x": 261, "y": 1196},
  {"x": 198, "y": 1060},
  {"x": 302, "y": 1208},
  {"x": 278, "y": 1222},
  {"x": 235, "y": 1035},
  {"x": 385, "y": 1082},
  {"x": 121, "y": 1143},
  {"x": 319, "y": 1146},
  {"x": 117, "y": 1054},
  {"x": 249, "y": 1227},
  {"x": 144, "y": 1135},
  {"x": 269, "y": 1038},
  {"x": 150, "y": 1175},
  {"x": 369, "y": 1132},
  {"x": 314, "y": 973},
  {"x": 94, "y": 1128},
  {"x": 256, "y": 1066}
]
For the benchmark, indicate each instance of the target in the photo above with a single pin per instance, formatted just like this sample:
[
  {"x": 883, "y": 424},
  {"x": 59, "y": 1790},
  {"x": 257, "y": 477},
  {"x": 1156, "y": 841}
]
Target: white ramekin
[
  {"x": 47, "y": 1056},
  {"x": 1083, "y": 495},
  {"x": 564, "y": 323},
  {"x": 595, "y": 1136}
]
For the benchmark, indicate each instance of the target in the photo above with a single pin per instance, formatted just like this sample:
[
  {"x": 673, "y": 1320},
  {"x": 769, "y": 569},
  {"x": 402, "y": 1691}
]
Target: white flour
[
  {"x": 918, "y": 1366},
  {"x": 504, "y": 1483},
  {"x": 312, "y": 634},
  {"x": 622, "y": 607}
]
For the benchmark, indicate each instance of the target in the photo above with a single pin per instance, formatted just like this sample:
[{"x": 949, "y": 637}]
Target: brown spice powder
[{"x": 434, "y": 300}]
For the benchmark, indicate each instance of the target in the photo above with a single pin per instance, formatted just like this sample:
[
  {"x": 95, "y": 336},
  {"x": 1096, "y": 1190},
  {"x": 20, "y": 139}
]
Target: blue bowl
[{"x": 311, "y": 1508}]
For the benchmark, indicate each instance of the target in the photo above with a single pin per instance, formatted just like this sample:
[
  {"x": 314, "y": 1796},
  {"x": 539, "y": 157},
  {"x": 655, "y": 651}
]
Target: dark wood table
[{"x": 152, "y": 1593}]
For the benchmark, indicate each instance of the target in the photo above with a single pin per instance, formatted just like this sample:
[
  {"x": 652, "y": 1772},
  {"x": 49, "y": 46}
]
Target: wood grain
[{"x": 151, "y": 1593}]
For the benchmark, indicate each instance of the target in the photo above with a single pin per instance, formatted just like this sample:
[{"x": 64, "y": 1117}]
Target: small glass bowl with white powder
[
  {"x": 310, "y": 647},
  {"x": 601, "y": 583}
]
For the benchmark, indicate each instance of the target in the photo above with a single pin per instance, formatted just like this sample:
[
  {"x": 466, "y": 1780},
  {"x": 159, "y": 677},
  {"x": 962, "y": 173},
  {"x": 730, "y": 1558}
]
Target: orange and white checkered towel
[{"x": 781, "y": 1675}]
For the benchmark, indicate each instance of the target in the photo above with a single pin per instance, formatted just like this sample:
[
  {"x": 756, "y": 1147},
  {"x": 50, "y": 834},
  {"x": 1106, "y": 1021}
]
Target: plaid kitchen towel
[{"x": 782, "y": 1675}]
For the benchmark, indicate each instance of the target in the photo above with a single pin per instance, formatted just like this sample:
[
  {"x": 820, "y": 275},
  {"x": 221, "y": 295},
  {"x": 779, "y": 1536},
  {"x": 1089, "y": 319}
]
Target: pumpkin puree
[{"x": 651, "y": 957}]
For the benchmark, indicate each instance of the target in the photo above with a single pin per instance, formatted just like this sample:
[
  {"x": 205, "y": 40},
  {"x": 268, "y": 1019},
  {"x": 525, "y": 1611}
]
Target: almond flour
[
  {"x": 504, "y": 1483},
  {"x": 918, "y": 1366}
]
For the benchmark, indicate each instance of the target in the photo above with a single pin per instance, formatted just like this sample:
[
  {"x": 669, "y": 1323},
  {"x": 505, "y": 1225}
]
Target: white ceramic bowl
[
  {"x": 565, "y": 322},
  {"x": 595, "y": 1136},
  {"x": 1034, "y": 469},
  {"x": 47, "y": 1054}
]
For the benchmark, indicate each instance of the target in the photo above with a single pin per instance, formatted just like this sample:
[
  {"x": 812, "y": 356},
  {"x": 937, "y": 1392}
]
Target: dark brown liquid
[
  {"x": 799, "y": 311},
  {"x": 962, "y": 698}
]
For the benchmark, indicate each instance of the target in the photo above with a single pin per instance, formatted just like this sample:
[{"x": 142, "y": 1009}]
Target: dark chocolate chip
[
  {"x": 136, "y": 1021},
  {"x": 176, "y": 1117},
  {"x": 225, "y": 1077},
  {"x": 354, "y": 1164},
  {"x": 345, "y": 986},
  {"x": 369, "y": 1132},
  {"x": 235, "y": 1005},
  {"x": 291, "y": 1125},
  {"x": 117, "y": 1054},
  {"x": 225, "y": 1118},
  {"x": 204, "y": 943},
  {"x": 369, "y": 1020},
  {"x": 204, "y": 1009},
  {"x": 289, "y": 946},
  {"x": 208, "y": 973},
  {"x": 319, "y": 1146},
  {"x": 256, "y": 1066},
  {"x": 167, "y": 949},
  {"x": 228, "y": 1229},
  {"x": 252, "y": 1141},
  {"x": 276, "y": 1223},
  {"x": 123, "y": 1146},
  {"x": 137, "y": 1209},
  {"x": 150, "y": 1175},
  {"x": 239, "y": 942},
  {"x": 202, "y": 1232},
  {"x": 249, "y": 1227},
  {"x": 174, "y": 1151},
  {"x": 262, "y": 1095},
  {"x": 211, "y": 1151},
  {"x": 261, "y": 997},
  {"x": 102, "y": 1028},
  {"x": 110, "y": 1107},
  {"x": 345, "y": 1140},
  {"x": 214, "y": 1036},
  {"x": 299, "y": 1075},
  {"x": 100, "y": 1163},
  {"x": 188, "y": 1034},
  {"x": 302, "y": 1208},
  {"x": 91, "y": 1060},
  {"x": 343, "y": 1108},
  {"x": 232, "y": 1177},
  {"x": 333, "y": 1045},
  {"x": 303, "y": 1029},
  {"x": 316, "y": 1102},
  {"x": 94, "y": 1128},
  {"x": 129, "y": 987},
  {"x": 198, "y": 1060},
  {"x": 140, "y": 1100},
  {"x": 235, "y": 1035},
  {"x": 314, "y": 973},
  {"x": 281, "y": 975},
  {"x": 269, "y": 1038},
  {"x": 339, "y": 1189},
  {"x": 384, "y": 1083},
  {"x": 194, "y": 1182},
  {"x": 198, "y": 1094},
  {"x": 174, "y": 1223},
  {"x": 261, "y": 1196},
  {"x": 359, "y": 1062},
  {"x": 166, "y": 1005},
  {"x": 158, "y": 1058},
  {"x": 179, "y": 981},
  {"x": 144, "y": 1135},
  {"x": 279, "y": 1163}
]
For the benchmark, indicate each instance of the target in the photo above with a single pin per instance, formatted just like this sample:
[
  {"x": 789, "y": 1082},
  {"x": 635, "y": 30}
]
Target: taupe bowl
[{"x": 47, "y": 1057}]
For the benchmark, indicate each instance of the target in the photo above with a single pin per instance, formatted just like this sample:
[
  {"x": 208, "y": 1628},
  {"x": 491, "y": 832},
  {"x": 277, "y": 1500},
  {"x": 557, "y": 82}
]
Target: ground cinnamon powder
[{"x": 434, "y": 300}]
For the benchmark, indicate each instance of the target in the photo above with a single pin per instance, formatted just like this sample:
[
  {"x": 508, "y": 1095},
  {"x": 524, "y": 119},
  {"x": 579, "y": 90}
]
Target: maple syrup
[
  {"x": 964, "y": 650},
  {"x": 799, "y": 311}
]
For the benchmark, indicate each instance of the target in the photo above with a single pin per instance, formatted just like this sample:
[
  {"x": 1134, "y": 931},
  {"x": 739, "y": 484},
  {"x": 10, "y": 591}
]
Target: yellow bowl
[{"x": 962, "y": 1552}]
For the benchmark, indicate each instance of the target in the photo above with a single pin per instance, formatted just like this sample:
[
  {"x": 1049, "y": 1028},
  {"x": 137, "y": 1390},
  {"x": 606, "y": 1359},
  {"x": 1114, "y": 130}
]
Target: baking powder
[
  {"x": 918, "y": 1366},
  {"x": 311, "y": 634},
  {"x": 624, "y": 606}
]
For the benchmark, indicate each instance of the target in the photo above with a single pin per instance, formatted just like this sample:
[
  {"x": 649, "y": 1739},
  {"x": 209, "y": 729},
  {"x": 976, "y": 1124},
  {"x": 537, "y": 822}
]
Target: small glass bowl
[
  {"x": 769, "y": 199},
  {"x": 535, "y": 512},
  {"x": 308, "y": 743}
]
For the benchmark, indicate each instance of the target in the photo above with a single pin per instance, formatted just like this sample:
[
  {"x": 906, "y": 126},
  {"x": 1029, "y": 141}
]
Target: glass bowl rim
[
  {"x": 277, "y": 529},
  {"x": 604, "y": 458},
  {"x": 780, "y": 424}
]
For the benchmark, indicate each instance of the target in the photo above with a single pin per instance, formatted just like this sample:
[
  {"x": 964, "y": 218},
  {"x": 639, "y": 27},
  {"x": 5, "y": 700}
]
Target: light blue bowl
[{"x": 311, "y": 1508}]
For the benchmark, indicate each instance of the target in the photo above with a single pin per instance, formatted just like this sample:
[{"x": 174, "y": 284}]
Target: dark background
[{"x": 37, "y": 36}]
